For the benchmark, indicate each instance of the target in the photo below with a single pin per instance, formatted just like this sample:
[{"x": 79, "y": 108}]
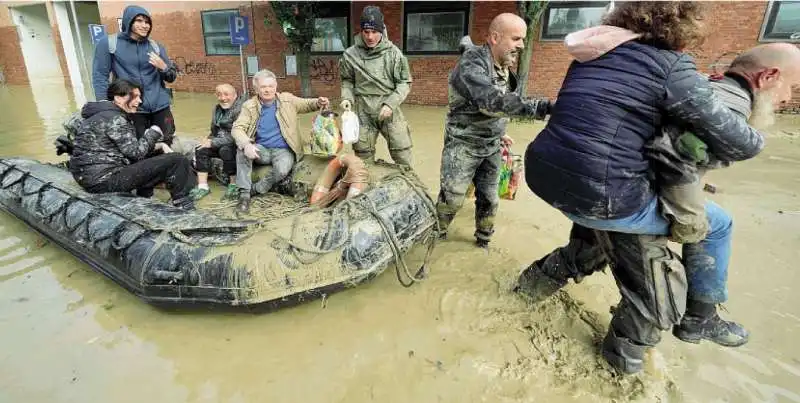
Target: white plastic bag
[{"x": 349, "y": 127}]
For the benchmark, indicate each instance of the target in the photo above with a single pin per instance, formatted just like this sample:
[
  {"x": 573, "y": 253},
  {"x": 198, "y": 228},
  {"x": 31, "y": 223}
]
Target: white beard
[{"x": 763, "y": 115}]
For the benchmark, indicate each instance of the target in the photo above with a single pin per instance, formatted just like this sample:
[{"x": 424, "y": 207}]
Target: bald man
[
  {"x": 219, "y": 144},
  {"x": 482, "y": 96},
  {"x": 756, "y": 82}
]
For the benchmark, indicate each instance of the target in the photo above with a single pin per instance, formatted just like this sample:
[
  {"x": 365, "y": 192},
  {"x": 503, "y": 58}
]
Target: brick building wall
[
  {"x": 12, "y": 64},
  {"x": 178, "y": 26}
]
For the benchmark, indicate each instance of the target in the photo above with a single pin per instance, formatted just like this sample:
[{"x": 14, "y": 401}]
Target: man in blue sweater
[{"x": 134, "y": 56}]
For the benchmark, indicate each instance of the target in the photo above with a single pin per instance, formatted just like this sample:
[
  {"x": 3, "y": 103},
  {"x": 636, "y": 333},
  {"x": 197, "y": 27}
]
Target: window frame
[
  {"x": 205, "y": 35},
  {"x": 431, "y": 7},
  {"x": 333, "y": 12},
  {"x": 544, "y": 37},
  {"x": 768, "y": 23}
]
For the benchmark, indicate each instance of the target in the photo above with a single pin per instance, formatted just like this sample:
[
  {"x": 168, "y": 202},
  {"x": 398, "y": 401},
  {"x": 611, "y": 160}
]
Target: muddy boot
[
  {"x": 702, "y": 322},
  {"x": 262, "y": 187},
  {"x": 622, "y": 353},
  {"x": 535, "y": 285},
  {"x": 244, "y": 203},
  {"x": 482, "y": 243}
]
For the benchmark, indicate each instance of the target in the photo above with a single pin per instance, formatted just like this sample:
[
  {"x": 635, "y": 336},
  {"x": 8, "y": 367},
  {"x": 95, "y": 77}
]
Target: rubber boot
[
  {"x": 244, "y": 202},
  {"x": 702, "y": 322},
  {"x": 535, "y": 284},
  {"x": 622, "y": 353}
]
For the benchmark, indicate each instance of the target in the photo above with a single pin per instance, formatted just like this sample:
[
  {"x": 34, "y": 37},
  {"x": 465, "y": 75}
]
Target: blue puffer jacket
[
  {"x": 590, "y": 160},
  {"x": 132, "y": 62}
]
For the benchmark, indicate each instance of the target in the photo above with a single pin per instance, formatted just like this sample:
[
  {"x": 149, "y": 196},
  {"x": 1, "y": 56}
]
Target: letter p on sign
[{"x": 240, "y": 34}]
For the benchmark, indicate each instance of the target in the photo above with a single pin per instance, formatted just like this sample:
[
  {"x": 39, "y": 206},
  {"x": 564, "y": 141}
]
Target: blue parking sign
[
  {"x": 240, "y": 34},
  {"x": 97, "y": 32}
]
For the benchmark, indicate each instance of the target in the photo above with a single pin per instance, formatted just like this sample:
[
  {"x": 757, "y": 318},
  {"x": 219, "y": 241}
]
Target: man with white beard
[{"x": 755, "y": 84}]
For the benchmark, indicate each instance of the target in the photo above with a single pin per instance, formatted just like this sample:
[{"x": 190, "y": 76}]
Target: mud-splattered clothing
[
  {"x": 108, "y": 157},
  {"x": 680, "y": 159},
  {"x": 223, "y": 146},
  {"x": 372, "y": 78},
  {"x": 481, "y": 98},
  {"x": 106, "y": 141},
  {"x": 222, "y": 124},
  {"x": 589, "y": 159}
]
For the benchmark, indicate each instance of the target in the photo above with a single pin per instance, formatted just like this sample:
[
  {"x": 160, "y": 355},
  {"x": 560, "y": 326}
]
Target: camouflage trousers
[
  {"x": 462, "y": 164},
  {"x": 394, "y": 129}
]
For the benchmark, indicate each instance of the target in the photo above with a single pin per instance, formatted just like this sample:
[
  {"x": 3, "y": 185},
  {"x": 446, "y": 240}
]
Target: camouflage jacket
[
  {"x": 378, "y": 76},
  {"x": 105, "y": 142},
  {"x": 481, "y": 99},
  {"x": 678, "y": 153},
  {"x": 222, "y": 123}
]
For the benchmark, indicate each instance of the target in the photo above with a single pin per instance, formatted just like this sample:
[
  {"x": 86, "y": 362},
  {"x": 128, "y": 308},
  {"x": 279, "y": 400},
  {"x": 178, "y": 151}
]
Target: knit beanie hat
[{"x": 372, "y": 18}]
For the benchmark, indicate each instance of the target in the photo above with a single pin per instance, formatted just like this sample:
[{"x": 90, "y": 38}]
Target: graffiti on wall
[
  {"x": 323, "y": 70},
  {"x": 194, "y": 68}
]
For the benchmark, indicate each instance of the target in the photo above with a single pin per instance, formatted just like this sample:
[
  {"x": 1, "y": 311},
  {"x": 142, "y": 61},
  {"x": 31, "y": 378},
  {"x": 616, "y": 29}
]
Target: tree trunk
[
  {"x": 531, "y": 12},
  {"x": 304, "y": 71}
]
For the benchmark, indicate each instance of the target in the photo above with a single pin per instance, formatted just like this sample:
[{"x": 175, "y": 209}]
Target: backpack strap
[{"x": 112, "y": 43}]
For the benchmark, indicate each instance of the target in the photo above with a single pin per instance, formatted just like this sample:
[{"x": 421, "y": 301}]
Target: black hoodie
[{"x": 105, "y": 142}]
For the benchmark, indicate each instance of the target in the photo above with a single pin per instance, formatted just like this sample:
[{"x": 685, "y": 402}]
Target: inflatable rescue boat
[{"x": 168, "y": 256}]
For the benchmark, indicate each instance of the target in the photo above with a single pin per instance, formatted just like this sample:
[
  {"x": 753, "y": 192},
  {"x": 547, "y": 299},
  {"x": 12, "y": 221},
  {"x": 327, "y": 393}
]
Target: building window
[
  {"x": 564, "y": 17},
  {"x": 332, "y": 27},
  {"x": 434, "y": 27},
  {"x": 217, "y": 34},
  {"x": 782, "y": 21}
]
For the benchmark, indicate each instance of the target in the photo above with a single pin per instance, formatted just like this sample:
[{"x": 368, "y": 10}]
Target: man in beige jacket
[{"x": 266, "y": 133}]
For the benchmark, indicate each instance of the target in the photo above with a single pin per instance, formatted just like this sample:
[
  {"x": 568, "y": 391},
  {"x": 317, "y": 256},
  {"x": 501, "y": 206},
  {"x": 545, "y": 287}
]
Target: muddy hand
[
  {"x": 156, "y": 61},
  {"x": 386, "y": 112},
  {"x": 323, "y": 103}
]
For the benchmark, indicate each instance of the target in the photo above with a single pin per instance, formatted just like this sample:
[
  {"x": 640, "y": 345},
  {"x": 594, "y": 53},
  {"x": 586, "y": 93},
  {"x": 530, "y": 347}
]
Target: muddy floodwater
[{"x": 69, "y": 335}]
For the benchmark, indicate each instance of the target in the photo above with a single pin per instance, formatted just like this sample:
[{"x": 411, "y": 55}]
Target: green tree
[
  {"x": 531, "y": 12},
  {"x": 296, "y": 19}
]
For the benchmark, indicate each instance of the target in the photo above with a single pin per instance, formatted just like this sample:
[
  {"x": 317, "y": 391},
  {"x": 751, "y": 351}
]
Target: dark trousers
[
  {"x": 173, "y": 169},
  {"x": 226, "y": 153},
  {"x": 650, "y": 277},
  {"x": 162, "y": 119}
]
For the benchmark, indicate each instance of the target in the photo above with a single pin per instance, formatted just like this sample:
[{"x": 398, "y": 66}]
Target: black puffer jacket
[
  {"x": 590, "y": 159},
  {"x": 105, "y": 142}
]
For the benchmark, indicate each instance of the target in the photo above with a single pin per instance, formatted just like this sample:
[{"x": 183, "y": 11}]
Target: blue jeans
[{"x": 706, "y": 262}]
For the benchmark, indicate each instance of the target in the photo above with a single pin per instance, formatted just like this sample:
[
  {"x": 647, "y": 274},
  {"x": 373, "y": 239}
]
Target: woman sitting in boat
[{"x": 108, "y": 157}]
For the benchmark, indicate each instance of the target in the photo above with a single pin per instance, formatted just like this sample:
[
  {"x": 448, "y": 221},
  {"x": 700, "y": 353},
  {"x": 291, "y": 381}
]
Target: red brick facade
[
  {"x": 178, "y": 26},
  {"x": 12, "y": 64}
]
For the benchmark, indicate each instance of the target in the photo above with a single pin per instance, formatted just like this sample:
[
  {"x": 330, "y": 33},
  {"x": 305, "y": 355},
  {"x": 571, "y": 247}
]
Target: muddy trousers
[
  {"x": 394, "y": 129},
  {"x": 226, "y": 153},
  {"x": 650, "y": 278},
  {"x": 462, "y": 164},
  {"x": 173, "y": 169},
  {"x": 281, "y": 159},
  {"x": 706, "y": 262}
]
